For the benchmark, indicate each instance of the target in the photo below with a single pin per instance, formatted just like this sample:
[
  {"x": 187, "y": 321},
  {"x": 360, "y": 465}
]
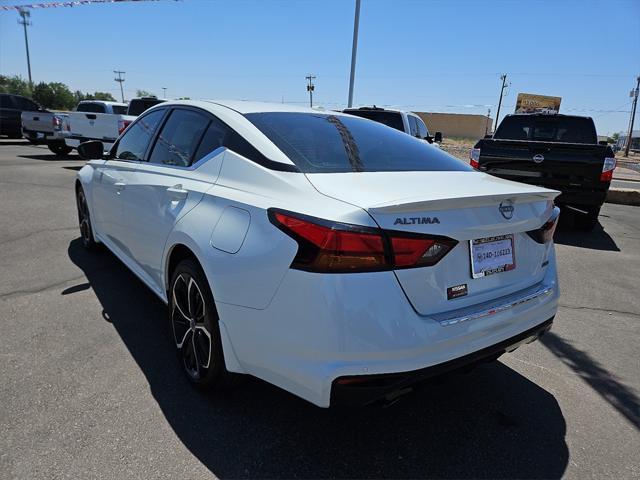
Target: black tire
[
  {"x": 193, "y": 321},
  {"x": 84, "y": 222},
  {"x": 60, "y": 149},
  {"x": 588, "y": 221}
]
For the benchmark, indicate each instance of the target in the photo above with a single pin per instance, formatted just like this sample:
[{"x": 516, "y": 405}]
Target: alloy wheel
[
  {"x": 190, "y": 333},
  {"x": 83, "y": 219}
]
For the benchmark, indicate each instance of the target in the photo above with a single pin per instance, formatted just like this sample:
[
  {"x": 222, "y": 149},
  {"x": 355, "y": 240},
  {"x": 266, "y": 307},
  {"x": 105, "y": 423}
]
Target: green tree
[
  {"x": 615, "y": 137},
  {"x": 14, "y": 85},
  {"x": 54, "y": 95},
  {"x": 144, "y": 93}
]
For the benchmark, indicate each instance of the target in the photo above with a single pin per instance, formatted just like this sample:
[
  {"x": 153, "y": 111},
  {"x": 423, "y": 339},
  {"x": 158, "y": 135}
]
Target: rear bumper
[
  {"x": 365, "y": 389},
  {"x": 582, "y": 197},
  {"x": 43, "y": 137}
]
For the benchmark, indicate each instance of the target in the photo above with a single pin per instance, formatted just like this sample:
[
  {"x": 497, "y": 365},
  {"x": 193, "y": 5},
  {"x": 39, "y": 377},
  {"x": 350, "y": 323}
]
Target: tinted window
[
  {"x": 134, "y": 142},
  {"x": 179, "y": 138},
  {"x": 547, "y": 129},
  {"x": 6, "y": 102},
  {"x": 90, "y": 107},
  {"x": 215, "y": 136},
  {"x": 390, "y": 119},
  {"x": 119, "y": 109},
  {"x": 327, "y": 143},
  {"x": 25, "y": 104},
  {"x": 139, "y": 105},
  {"x": 422, "y": 128}
]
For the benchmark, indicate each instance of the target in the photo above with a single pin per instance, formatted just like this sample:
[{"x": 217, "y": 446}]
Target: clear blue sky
[{"x": 417, "y": 55}]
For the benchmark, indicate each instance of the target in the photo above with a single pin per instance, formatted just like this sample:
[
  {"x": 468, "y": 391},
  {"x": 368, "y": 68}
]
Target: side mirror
[
  {"x": 428, "y": 138},
  {"x": 437, "y": 137},
  {"x": 93, "y": 149}
]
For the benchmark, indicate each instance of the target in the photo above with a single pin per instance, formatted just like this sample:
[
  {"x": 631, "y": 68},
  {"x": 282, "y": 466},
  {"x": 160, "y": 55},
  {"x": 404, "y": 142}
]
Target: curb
[{"x": 623, "y": 196}]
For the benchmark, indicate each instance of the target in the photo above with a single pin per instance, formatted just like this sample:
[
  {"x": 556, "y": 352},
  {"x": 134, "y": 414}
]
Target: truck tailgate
[
  {"x": 37, "y": 121},
  {"x": 551, "y": 164},
  {"x": 95, "y": 126}
]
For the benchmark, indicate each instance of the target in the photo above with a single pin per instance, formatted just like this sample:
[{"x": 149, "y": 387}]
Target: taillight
[
  {"x": 544, "y": 234},
  {"x": 607, "y": 169},
  {"x": 474, "y": 157},
  {"x": 331, "y": 247},
  {"x": 122, "y": 125}
]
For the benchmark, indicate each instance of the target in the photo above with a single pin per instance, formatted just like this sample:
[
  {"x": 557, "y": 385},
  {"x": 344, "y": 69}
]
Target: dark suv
[{"x": 11, "y": 108}]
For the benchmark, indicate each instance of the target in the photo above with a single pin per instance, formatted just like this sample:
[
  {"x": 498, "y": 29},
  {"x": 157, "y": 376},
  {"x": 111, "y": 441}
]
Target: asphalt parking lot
[{"x": 91, "y": 388}]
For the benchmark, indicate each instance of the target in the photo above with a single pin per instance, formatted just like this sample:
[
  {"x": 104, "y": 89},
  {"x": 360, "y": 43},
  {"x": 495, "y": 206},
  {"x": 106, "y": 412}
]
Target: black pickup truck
[{"x": 554, "y": 151}]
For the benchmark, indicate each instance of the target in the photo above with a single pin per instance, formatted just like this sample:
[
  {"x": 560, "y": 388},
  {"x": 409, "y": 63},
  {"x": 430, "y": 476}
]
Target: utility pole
[
  {"x": 120, "y": 80},
  {"x": 310, "y": 88},
  {"x": 164, "y": 92},
  {"x": 633, "y": 115},
  {"x": 503, "y": 77},
  {"x": 486, "y": 127},
  {"x": 354, "y": 51},
  {"x": 24, "y": 21}
]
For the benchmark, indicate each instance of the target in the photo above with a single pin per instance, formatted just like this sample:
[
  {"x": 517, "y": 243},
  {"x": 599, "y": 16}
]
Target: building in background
[
  {"x": 635, "y": 141},
  {"x": 460, "y": 125}
]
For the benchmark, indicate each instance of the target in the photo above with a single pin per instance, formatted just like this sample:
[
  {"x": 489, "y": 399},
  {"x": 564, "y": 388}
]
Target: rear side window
[
  {"x": 133, "y": 144},
  {"x": 547, "y": 129},
  {"x": 6, "y": 101},
  {"x": 25, "y": 104},
  {"x": 390, "y": 119},
  {"x": 413, "y": 125},
  {"x": 138, "y": 105},
  {"x": 179, "y": 138},
  {"x": 90, "y": 108},
  {"x": 325, "y": 143},
  {"x": 119, "y": 109}
]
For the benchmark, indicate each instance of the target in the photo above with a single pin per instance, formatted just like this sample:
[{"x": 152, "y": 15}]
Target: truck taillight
[
  {"x": 474, "y": 157},
  {"x": 607, "y": 169},
  {"x": 329, "y": 247},
  {"x": 122, "y": 125}
]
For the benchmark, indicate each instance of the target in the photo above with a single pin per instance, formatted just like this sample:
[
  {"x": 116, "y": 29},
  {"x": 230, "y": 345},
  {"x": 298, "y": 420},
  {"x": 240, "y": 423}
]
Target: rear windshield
[
  {"x": 90, "y": 107},
  {"x": 137, "y": 106},
  {"x": 324, "y": 143},
  {"x": 120, "y": 109},
  {"x": 390, "y": 119},
  {"x": 547, "y": 129}
]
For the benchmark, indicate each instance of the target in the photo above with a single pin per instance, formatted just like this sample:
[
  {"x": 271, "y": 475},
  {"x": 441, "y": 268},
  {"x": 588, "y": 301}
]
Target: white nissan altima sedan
[{"x": 330, "y": 255}]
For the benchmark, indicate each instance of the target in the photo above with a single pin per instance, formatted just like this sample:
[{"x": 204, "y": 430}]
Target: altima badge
[
  {"x": 416, "y": 220},
  {"x": 506, "y": 209}
]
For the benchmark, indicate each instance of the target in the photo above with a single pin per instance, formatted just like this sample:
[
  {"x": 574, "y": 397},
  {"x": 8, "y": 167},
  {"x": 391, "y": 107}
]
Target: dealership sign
[{"x": 530, "y": 103}]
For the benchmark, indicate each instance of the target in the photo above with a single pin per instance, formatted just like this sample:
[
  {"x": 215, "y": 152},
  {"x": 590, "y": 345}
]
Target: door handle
[
  {"x": 177, "y": 192},
  {"x": 119, "y": 186}
]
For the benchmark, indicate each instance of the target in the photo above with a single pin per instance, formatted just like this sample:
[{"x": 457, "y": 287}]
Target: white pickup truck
[
  {"x": 44, "y": 127},
  {"x": 97, "y": 120}
]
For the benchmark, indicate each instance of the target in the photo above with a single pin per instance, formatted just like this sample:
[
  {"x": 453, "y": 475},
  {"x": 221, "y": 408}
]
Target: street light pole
[
  {"x": 354, "y": 51},
  {"x": 633, "y": 115},
  {"x": 24, "y": 21},
  {"x": 164, "y": 92}
]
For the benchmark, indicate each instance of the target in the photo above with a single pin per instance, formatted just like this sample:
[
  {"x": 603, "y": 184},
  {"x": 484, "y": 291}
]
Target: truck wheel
[
  {"x": 588, "y": 221},
  {"x": 60, "y": 149}
]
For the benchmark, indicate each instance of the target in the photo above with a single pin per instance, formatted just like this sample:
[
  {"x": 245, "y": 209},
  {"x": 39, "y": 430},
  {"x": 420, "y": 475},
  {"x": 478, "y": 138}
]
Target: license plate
[{"x": 492, "y": 255}]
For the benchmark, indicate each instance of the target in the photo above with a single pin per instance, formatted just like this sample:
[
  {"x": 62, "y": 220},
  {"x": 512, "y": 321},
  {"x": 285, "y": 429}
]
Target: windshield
[
  {"x": 324, "y": 143},
  {"x": 120, "y": 109},
  {"x": 547, "y": 129},
  {"x": 390, "y": 119}
]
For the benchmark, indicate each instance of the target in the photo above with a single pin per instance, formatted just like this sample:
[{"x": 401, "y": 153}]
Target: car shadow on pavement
[
  {"x": 50, "y": 157},
  {"x": 490, "y": 423},
  {"x": 621, "y": 397},
  {"x": 597, "y": 239}
]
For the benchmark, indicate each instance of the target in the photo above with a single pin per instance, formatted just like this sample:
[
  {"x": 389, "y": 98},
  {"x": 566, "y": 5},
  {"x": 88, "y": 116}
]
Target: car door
[
  {"x": 169, "y": 185},
  {"x": 109, "y": 186}
]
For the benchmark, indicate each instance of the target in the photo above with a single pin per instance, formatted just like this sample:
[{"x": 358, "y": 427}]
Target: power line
[
  {"x": 635, "y": 93},
  {"x": 503, "y": 77},
  {"x": 354, "y": 51},
  {"x": 120, "y": 80}
]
